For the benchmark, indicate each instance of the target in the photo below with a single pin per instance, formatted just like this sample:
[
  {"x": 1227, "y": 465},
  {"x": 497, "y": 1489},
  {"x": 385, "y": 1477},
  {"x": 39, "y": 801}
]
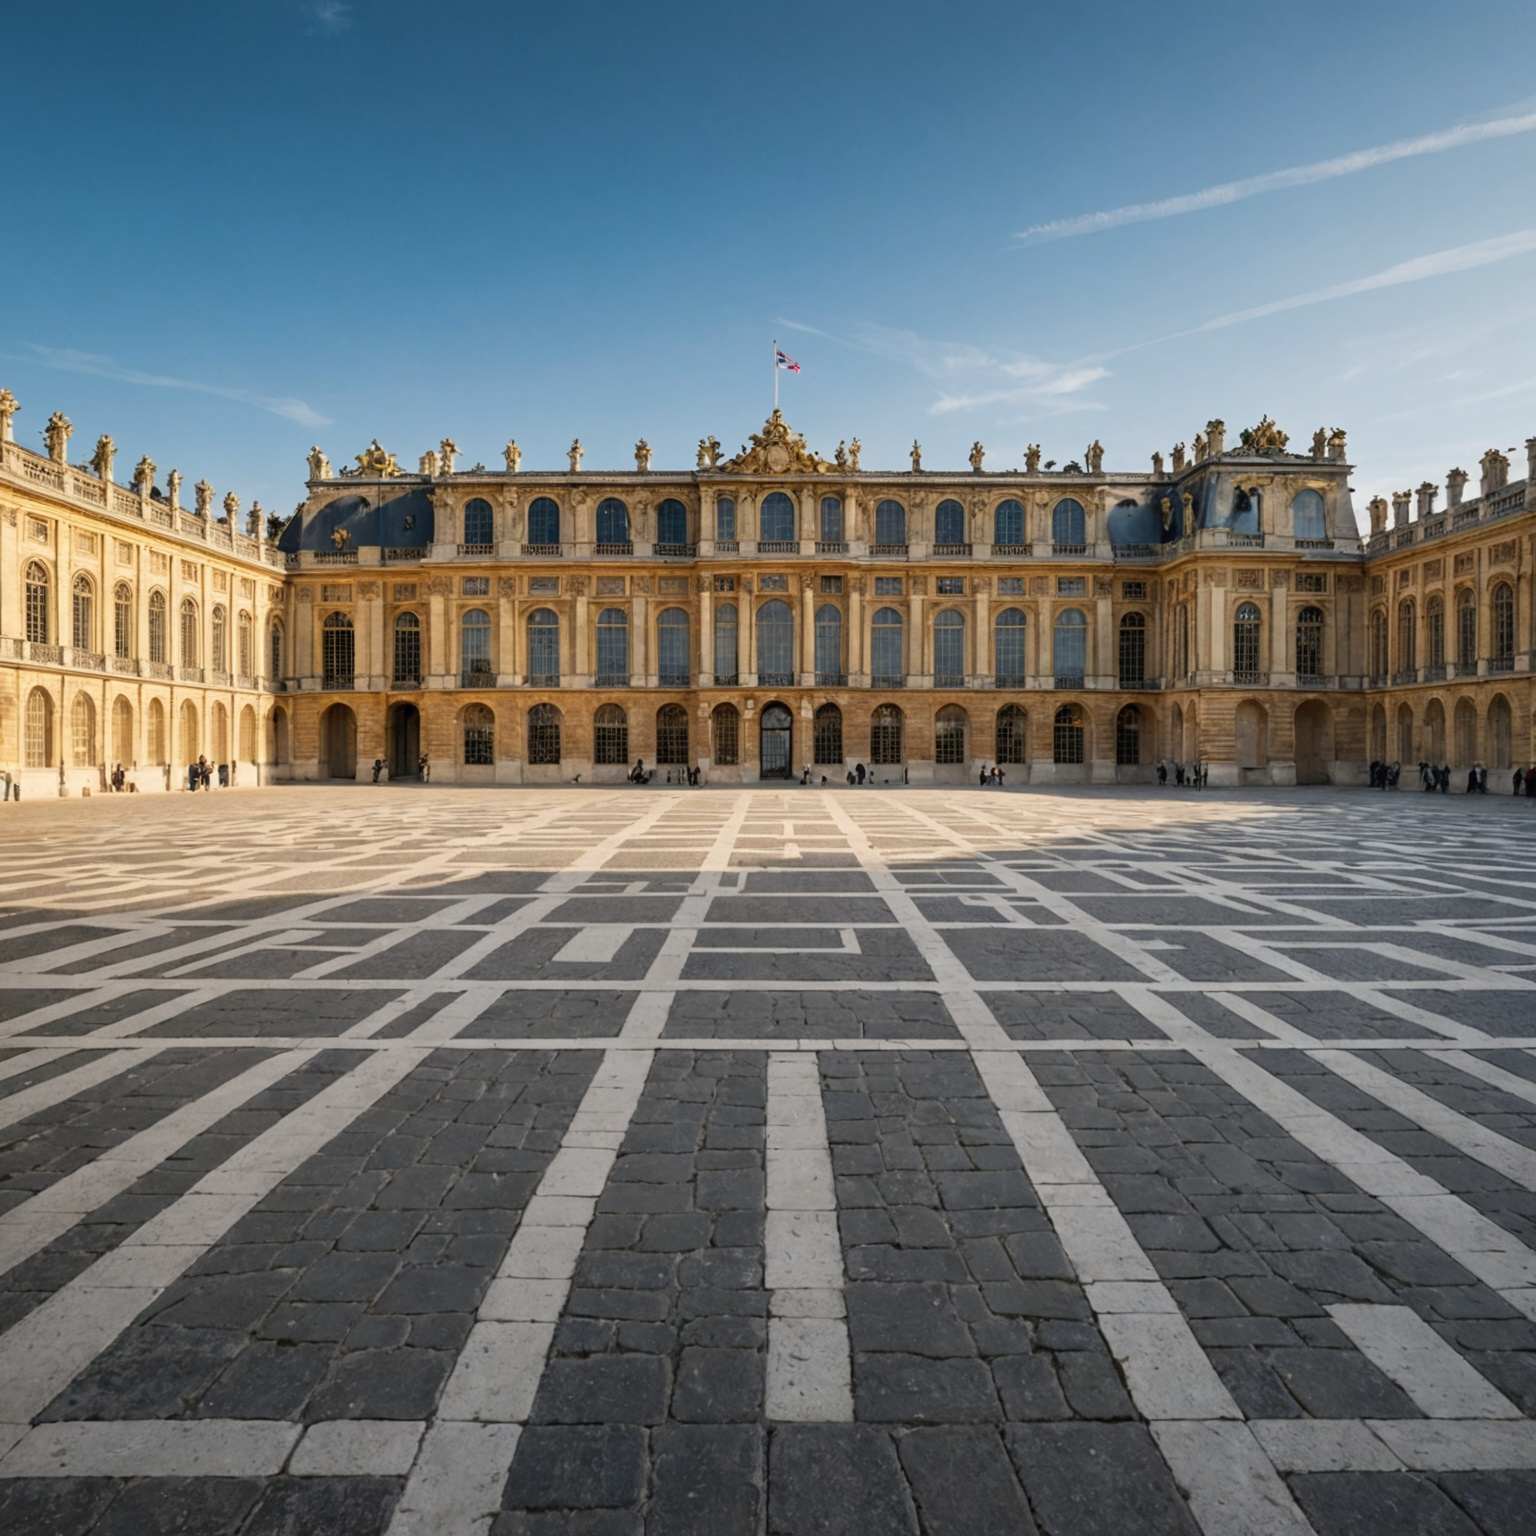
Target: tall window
[
  {"x": 1434, "y": 627},
  {"x": 827, "y": 735},
  {"x": 672, "y": 658},
  {"x": 613, "y": 648},
  {"x": 1069, "y": 525},
  {"x": 672, "y": 524},
  {"x": 610, "y": 735},
  {"x": 887, "y": 652},
  {"x": 1067, "y": 735},
  {"x": 612, "y": 526},
  {"x": 1008, "y": 524},
  {"x": 1502, "y": 657},
  {"x": 479, "y": 735},
  {"x": 156, "y": 732},
  {"x": 82, "y": 732},
  {"x": 949, "y": 523},
  {"x": 832, "y": 520},
  {"x": 544, "y": 648},
  {"x": 220, "y": 646},
  {"x": 891, "y": 525},
  {"x": 671, "y": 735},
  {"x": 727, "y": 661},
  {"x": 1378, "y": 646},
  {"x": 35, "y": 583},
  {"x": 1133, "y": 650},
  {"x": 1069, "y": 648},
  {"x": 189, "y": 732},
  {"x": 829, "y": 644},
  {"x": 157, "y": 626},
  {"x": 949, "y": 735},
  {"x": 775, "y": 643},
  {"x": 407, "y": 650},
  {"x": 776, "y": 519},
  {"x": 543, "y": 522},
  {"x": 949, "y": 649},
  {"x": 725, "y": 730},
  {"x": 725, "y": 519},
  {"x": 478, "y": 524},
  {"x": 1245, "y": 644},
  {"x": 1466, "y": 630},
  {"x": 246, "y": 644},
  {"x": 1309, "y": 642},
  {"x": 83, "y": 614},
  {"x": 122, "y": 620},
  {"x": 37, "y": 749},
  {"x": 1008, "y": 648},
  {"x": 1308, "y": 520},
  {"x": 189, "y": 645},
  {"x": 1407, "y": 636},
  {"x": 543, "y": 734},
  {"x": 337, "y": 651},
  {"x": 885, "y": 735},
  {"x": 122, "y": 732},
  {"x": 274, "y": 647},
  {"x": 1012, "y": 745},
  {"x": 1128, "y": 736},
  {"x": 475, "y": 669}
]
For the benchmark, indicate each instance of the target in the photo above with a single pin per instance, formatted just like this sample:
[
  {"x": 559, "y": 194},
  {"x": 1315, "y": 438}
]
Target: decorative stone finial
[
  {"x": 101, "y": 459},
  {"x": 447, "y": 452},
  {"x": 709, "y": 452},
  {"x": 144, "y": 476},
  {"x": 977, "y": 455},
  {"x": 57, "y": 435},
  {"x": 1530, "y": 464},
  {"x": 9, "y": 405},
  {"x": 1337, "y": 444},
  {"x": 1320, "y": 444},
  {"x": 642, "y": 456},
  {"x": 574, "y": 453},
  {"x": 319, "y": 465},
  {"x": 513, "y": 455},
  {"x": 1178, "y": 458},
  {"x": 1495, "y": 471},
  {"x": 1427, "y": 493},
  {"x": 254, "y": 520},
  {"x": 1401, "y": 502},
  {"x": 1455, "y": 487},
  {"x": 427, "y": 464},
  {"x": 1157, "y": 466},
  {"x": 231, "y": 508},
  {"x": 1216, "y": 437},
  {"x": 173, "y": 489},
  {"x": 203, "y": 492},
  {"x": 855, "y": 448}
]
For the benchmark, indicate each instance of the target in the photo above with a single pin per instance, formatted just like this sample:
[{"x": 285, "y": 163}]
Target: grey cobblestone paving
[{"x": 391, "y": 1161}]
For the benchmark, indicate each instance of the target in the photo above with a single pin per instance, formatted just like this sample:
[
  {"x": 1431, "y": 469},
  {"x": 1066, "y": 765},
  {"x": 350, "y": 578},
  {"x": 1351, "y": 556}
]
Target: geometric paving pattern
[{"x": 402, "y": 1160}]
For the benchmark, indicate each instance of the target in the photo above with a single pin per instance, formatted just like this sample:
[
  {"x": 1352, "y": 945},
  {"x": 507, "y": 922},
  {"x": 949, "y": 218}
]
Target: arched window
[
  {"x": 1069, "y": 648},
  {"x": 672, "y": 649},
  {"x": 475, "y": 649},
  {"x": 890, "y": 526},
  {"x": 155, "y": 745},
  {"x": 338, "y": 651},
  {"x": 949, "y": 735},
  {"x": 544, "y": 523},
  {"x": 1133, "y": 650},
  {"x": 612, "y": 527},
  {"x": 671, "y": 735},
  {"x": 220, "y": 647},
  {"x": 35, "y": 585},
  {"x": 1502, "y": 656},
  {"x": 1181, "y": 657},
  {"x": 610, "y": 735},
  {"x": 1407, "y": 637},
  {"x": 888, "y": 665},
  {"x": 1008, "y": 658},
  {"x": 122, "y": 732},
  {"x": 245, "y": 644},
  {"x": 274, "y": 645},
  {"x": 1245, "y": 644},
  {"x": 1308, "y": 516},
  {"x": 671, "y": 527},
  {"x": 1247, "y": 510},
  {"x": 189, "y": 732},
  {"x": 1500, "y": 738},
  {"x": 1067, "y": 735},
  {"x": 1466, "y": 630},
  {"x": 1128, "y": 736},
  {"x": 82, "y": 732},
  {"x": 1466, "y": 733},
  {"x": 776, "y": 519},
  {"x": 407, "y": 650},
  {"x": 479, "y": 526},
  {"x": 544, "y": 648},
  {"x": 725, "y": 732},
  {"x": 479, "y": 736},
  {"x": 725, "y": 519},
  {"x": 775, "y": 643},
  {"x": 949, "y": 649},
  {"x": 1008, "y": 526},
  {"x": 122, "y": 620},
  {"x": 543, "y": 734},
  {"x": 1069, "y": 527},
  {"x": 948, "y": 526},
  {"x": 727, "y": 660},
  {"x": 1434, "y": 633},
  {"x": 189, "y": 645},
  {"x": 1012, "y": 744},
  {"x": 829, "y": 645},
  {"x": 83, "y": 614},
  {"x": 827, "y": 735},
  {"x": 1405, "y": 752},
  {"x": 831, "y": 521},
  {"x": 613, "y": 648},
  {"x": 885, "y": 744},
  {"x": 1309, "y": 642},
  {"x": 1378, "y": 646},
  {"x": 37, "y": 744}
]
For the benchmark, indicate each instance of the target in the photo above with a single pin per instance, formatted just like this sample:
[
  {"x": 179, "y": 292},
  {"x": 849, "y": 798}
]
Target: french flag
[{"x": 783, "y": 360}]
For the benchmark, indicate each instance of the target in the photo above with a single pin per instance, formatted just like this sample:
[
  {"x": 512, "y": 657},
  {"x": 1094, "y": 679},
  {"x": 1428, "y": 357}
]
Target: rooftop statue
[
  {"x": 1178, "y": 458},
  {"x": 978, "y": 453},
  {"x": 778, "y": 450},
  {"x": 840, "y": 454},
  {"x": 173, "y": 489},
  {"x": 144, "y": 475},
  {"x": 642, "y": 456},
  {"x": 709, "y": 452},
  {"x": 427, "y": 464},
  {"x": 574, "y": 453},
  {"x": 231, "y": 508},
  {"x": 1320, "y": 443},
  {"x": 204, "y": 494},
  {"x": 1032, "y": 459},
  {"x": 376, "y": 461},
  {"x": 1094, "y": 457},
  {"x": 56, "y": 435},
  {"x": 1199, "y": 447},
  {"x": 1265, "y": 438},
  {"x": 1187, "y": 506},
  {"x": 340, "y": 538},
  {"x": 513, "y": 456},
  {"x": 9, "y": 405},
  {"x": 447, "y": 451},
  {"x": 319, "y": 465},
  {"x": 855, "y": 448},
  {"x": 917, "y": 456},
  {"x": 101, "y": 460},
  {"x": 1157, "y": 466}
]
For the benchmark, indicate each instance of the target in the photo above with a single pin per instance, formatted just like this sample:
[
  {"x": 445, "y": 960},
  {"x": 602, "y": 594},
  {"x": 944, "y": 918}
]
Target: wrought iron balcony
[
  {"x": 1406, "y": 675},
  {"x": 727, "y": 679},
  {"x": 1068, "y": 679},
  {"x": 478, "y": 676},
  {"x": 393, "y": 556},
  {"x": 949, "y": 680},
  {"x": 888, "y": 680},
  {"x": 1126, "y": 552},
  {"x": 1314, "y": 543},
  {"x": 407, "y": 680},
  {"x": 775, "y": 679},
  {"x": 831, "y": 679},
  {"x": 1501, "y": 663},
  {"x": 1010, "y": 680},
  {"x": 674, "y": 680},
  {"x": 1012, "y": 551},
  {"x": 543, "y": 679},
  {"x": 1434, "y": 674},
  {"x": 1249, "y": 679},
  {"x": 1317, "y": 680},
  {"x": 612, "y": 679},
  {"x": 337, "y": 682}
]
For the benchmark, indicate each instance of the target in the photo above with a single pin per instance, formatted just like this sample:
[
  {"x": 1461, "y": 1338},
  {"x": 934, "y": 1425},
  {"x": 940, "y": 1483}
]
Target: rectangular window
[
  {"x": 610, "y": 586},
  {"x": 725, "y": 583},
  {"x": 773, "y": 583},
  {"x": 950, "y": 586},
  {"x": 188, "y": 570},
  {"x": 221, "y": 581},
  {"x": 1133, "y": 591},
  {"x": 158, "y": 563},
  {"x": 37, "y": 530},
  {"x": 124, "y": 552},
  {"x": 336, "y": 594},
  {"x": 1010, "y": 586},
  {"x": 404, "y": 591},
  {"x": 1311, "y": 581},
  {"x": 1071, "y": 586},
  {"x": 832, "y": 585},
  {"x": 543, "y": 583},
  {"x": 887, "y": 586},
  {"x": 477, "y": 586},
  {"x": 84, "y": 542}
]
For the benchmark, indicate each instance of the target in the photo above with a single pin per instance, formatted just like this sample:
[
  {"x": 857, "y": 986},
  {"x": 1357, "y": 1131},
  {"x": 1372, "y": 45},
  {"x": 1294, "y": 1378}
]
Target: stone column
[
  {"x": 639, "y": 624},
  {"x": 437, "y": 631},
  {"x": 981, "y": 640},
  {"x": 918, "y": 674},
  {"x": 858, "y": 671},
  {"x": 807, "y": 635},
  {"x": 706, "y": 633},
  {"x": 1281, "y": 657},
  {"x": 1104, "y": 664},
  {"x": 10, "y": 579},
  {"x": 579, "y": 647},
  {"x": 746, "y": 619},
  {"x": 1045, "y": 634},
  {"x": 506, "y": 630}
]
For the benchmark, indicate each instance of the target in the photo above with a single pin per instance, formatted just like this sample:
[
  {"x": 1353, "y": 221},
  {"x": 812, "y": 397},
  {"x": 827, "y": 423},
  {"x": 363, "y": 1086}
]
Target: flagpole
[{"x": 774, "y": 358}]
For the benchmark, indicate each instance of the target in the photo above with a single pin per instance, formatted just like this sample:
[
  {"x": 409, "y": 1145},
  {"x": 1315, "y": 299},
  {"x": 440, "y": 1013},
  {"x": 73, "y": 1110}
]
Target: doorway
[
  {"x": 775, "y": 740},
  {"x": 403, "y": 733},
  {"x": 338, "y": 742}
]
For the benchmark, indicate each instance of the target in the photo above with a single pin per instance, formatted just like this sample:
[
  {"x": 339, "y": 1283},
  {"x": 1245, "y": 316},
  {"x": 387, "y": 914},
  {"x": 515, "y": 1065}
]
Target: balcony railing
[
  {"x": 890, "y": 551},
  {"x": 1249, "y": 679},
  {"x": 1069, "y": 549},
  {"x": 1138, "y": 551},
  {"x": 831, "y": 679},
  {"x": 189, "y": 674},
  {"x": 1010, "y": 680},
  {"x": 476, "y": 677},
  {"x": 161, "y": 669},
  {"x": 727, "y": 679},
  {"x": 1126, "y": 680},
  {"x": 335, "y": 557},
  {"x": 775, "y": 679},
  {"x": 625, "y": 548},
  {"x": 1406, "y": 675},
  {"x": 831, "y": 547},
  {"x": 543, "y": 679},
  {"x": 1069, "y": 679},
  {"x": 952, "y": 549},
  {"x": 677, "y": 551},
  {"x": 477, "y": 551},
  {"x": 727, "y": 546},
  {"x": 395, "y": 556},
  {"x": 92, "y": 660},
  {"x": 1012, "y": 551},
  {"x": 949, "y": 680},
  {"x": 1312, "y": 680},
  {"x": 125, "y": 664},
  {"x": 407, "y": 680},
  {"x": 1245, "y": 540},
  {"x": 51, "y": 655},
  {"x": 1314, "y": 543},
  {"x": 541, "y": 551},
  {"x": 888, "y": 680},
  {"x": 338, "y": 682},
  {"x": 778, "y": 546},
  {"x": 612, "y": 680},
  {"x": 673, "y": 680},
  {"x": 1434, "y": 674},
  {"x": 1501, "y": 663}
]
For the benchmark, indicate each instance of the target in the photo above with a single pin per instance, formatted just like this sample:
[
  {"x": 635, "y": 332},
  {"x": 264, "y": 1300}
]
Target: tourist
[
  {"x": 192, "y": 777},
  {"x": 424, "y": 768},
  {"x": 859, "y": 773},
  {"x": 1162, "y": 771},
  {"x": 5, "y": 785},
  {"x": 1530, "y": 784},
  {"x": 1519, "y": 780},
  {"x": 850, "y": 778},
  {"x": 1443, "y": 778},
  {"x": 986, "y": 776},
  {"x": 378, "y": 768},
  {"x": 119, "y": 779},
  {"x": 1178, "y": 774}
]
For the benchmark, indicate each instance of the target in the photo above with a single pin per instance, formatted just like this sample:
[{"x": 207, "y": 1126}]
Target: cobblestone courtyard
[{"x": 793, "y": 1162}]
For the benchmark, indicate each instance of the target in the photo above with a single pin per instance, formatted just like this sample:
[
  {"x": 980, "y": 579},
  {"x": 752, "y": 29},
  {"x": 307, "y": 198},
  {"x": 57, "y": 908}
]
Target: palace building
[{"x": 762, "y": 613}]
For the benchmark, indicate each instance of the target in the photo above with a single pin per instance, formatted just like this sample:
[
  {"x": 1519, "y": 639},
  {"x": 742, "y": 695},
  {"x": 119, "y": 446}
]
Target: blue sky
[{"x": 254, "y": 226}]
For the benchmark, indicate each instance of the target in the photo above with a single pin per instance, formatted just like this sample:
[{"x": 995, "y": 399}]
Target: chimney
[
  {"x": 1495, "y": 472},
  {"x": 1215, "y": 438},
  {"x": 1455, "y": 486},
  {"x": 1401, "y": 501},
  {"x": 1378, "y": 510},
  {"x": 1427, "y": 493}
]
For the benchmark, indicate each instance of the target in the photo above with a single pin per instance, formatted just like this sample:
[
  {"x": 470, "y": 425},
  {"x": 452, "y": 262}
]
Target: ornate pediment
[
  {"x": 1264, "y": 438},
  {"x": 778, "y": 450},
  {"x": 375, "y": 462}
]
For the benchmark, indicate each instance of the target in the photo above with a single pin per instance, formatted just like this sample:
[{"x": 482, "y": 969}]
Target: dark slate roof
[
  {"x": 405, "y": 521},
  {"x": 1141, "y": 522}
]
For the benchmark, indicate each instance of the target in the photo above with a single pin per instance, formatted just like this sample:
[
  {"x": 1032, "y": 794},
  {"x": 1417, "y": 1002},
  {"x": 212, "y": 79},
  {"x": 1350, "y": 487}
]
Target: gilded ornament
[
  {"x": 1265, "y": 438},
  {"x": 778, "y": 450}
]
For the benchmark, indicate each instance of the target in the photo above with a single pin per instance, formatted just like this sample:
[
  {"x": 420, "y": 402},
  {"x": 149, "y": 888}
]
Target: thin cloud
[
  {"x": 331, "y": 16},
  {"x": 1060, "y": 384},
  {"x": 1221, "y": 195},
  {"x": 69, "y": 360}
]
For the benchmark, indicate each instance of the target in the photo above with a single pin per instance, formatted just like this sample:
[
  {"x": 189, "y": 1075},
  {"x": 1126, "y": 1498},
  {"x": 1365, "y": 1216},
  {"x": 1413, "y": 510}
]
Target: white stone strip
[
  {"x": 85, "y": 996},
  {"x": 355, "y": 1448},
  {"x": 1441, "y": 1445},
  {"x": 1411, "y": 1013},
  {"x": 160, "y": 1013},
  {"x": 647, "y": 1018},
  {"x": 28, "y": 1228},
  {"x": 44, "y": 1095},
  {"x": 255, "y": 944},
  {"x": 1161, "y": 1009},
  {"x": 1324, "y": 1445},
  {"x": 1441, "y": 1382},
  {"x": 1482, "y": 975},
  {"x": 49, "y": 1347},
  {"x": 1497, "y": 1077},
  {"x": 28, "y": 1060},
  {"x": 86, "y": 949},
  {"x": 596, "y": 944},
  {"x": 154, "y": 1448},
  {"x": 456, "y": 1483},
  {"x": 1167, "y": 1372},
  {"x": 1232, "y": 1486},
  {"x": 809, "y": 1366}
]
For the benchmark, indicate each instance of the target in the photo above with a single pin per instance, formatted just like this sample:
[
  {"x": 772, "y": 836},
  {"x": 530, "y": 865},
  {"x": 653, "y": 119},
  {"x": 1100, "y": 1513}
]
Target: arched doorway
[
  {"x": 277, "y": 737},
  {"x": 402, "y": 729},
  {"x": 1314, "y": 742},
  {"x": 338, "y": 743},
  {"x": 1251, "y": 738},
  {"x": 1434, "y": 731},
  {"x": 775, "y": 753}
]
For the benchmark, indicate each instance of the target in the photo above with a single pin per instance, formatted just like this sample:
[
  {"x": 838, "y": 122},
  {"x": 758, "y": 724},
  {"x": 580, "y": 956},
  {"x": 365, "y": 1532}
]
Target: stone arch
[
  {"x": 1465, "y": 738},
  {"x": 247, "y": 753},
  {"x": 1434, "y": 731},
  {"x": 190, "y": 739},
  {"x": 1250, "y": 736},
  {"x": 277, "y": 735},
  {"x": 1379, "y": 733},
  {"x": 1405, "y": 749},
  {"x": 1314, "y": 743},
  {"x": 1499, "y": 751},
  {"x": 122, "y": 732},
  {"x": 338, "y": 743}
]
